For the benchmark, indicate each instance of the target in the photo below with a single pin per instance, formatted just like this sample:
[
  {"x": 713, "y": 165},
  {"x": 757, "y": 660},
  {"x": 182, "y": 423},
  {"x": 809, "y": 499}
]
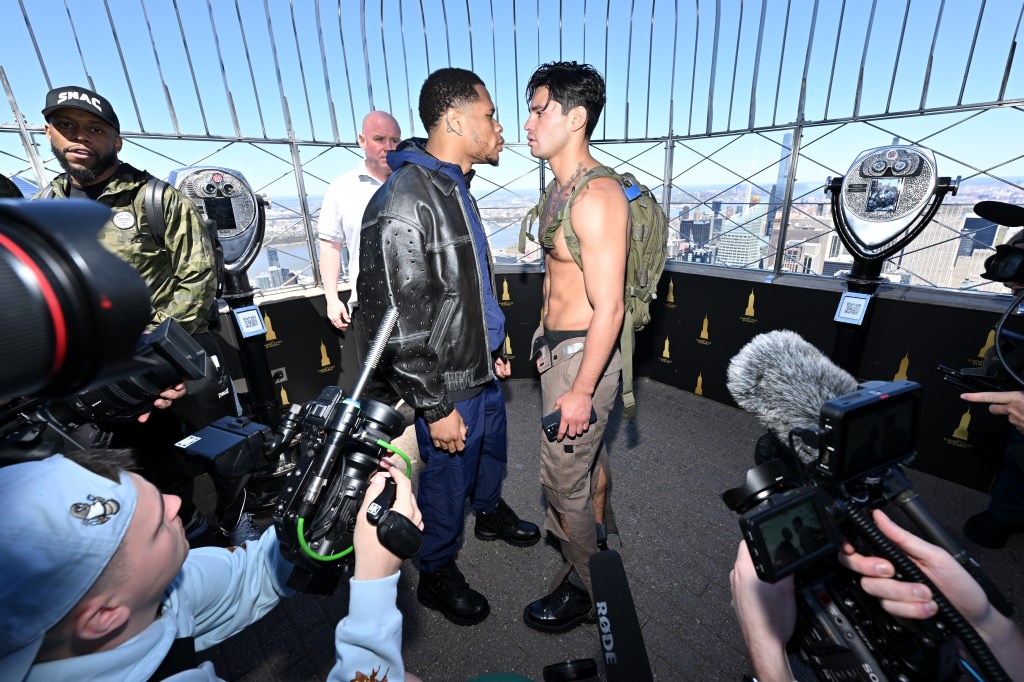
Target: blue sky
[{"x": 631, "y": 42}]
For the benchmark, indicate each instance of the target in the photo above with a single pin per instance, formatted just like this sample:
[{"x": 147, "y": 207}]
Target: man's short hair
[
  {"x": 445, "y": 89},
  {"x": 572, "y": 85}
]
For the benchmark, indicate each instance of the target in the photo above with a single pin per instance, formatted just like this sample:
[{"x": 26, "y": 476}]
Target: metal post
[
  {"x": 787, "y": 199},
  {"x": 300, "y": 185},
  {"x": 26, "y": 138},
  {"x": 666, "y": 183}
]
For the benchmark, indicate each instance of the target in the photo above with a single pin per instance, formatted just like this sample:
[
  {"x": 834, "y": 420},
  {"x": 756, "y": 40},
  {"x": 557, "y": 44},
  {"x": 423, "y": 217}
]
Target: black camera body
[
  {"x": 794, "y": 518},
  {"x": 315, "y": 516}
]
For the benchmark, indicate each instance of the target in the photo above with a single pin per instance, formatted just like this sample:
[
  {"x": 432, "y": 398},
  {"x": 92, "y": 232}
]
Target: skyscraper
[{"x": 779, "y": 188}]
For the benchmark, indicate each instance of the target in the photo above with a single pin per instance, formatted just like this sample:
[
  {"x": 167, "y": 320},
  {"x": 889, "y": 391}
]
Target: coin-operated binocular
[
  {"x": 237, "y": 217},
  {"x": 884, "y": 201}
]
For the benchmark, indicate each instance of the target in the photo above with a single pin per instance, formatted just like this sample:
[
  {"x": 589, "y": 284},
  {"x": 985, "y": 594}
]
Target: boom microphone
[{"x": 783, "y": 380}]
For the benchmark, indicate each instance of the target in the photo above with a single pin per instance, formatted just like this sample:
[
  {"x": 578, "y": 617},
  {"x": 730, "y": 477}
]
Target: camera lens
[
  {"x": 567, "y": 671},
  {"x": 70, "y": 309}
]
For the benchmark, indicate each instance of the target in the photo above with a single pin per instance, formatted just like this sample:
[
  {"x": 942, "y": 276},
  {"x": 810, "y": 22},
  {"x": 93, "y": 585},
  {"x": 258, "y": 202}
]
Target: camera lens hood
[{"x": 763, "y": 480}]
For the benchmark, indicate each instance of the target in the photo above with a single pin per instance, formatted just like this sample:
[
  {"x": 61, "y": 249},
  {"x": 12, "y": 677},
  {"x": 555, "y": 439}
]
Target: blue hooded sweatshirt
[{"x": 413, "y": 151}]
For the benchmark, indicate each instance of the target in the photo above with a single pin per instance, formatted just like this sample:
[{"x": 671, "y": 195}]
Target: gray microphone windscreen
[{"x": 783, "y": 380}]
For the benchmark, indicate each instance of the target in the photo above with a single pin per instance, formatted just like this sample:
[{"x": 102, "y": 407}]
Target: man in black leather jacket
[{"x": 423, "y": 248}]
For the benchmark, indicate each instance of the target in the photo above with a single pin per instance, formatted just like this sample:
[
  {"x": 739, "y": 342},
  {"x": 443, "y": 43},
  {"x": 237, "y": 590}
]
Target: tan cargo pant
[{"x": 568, "y": 469}]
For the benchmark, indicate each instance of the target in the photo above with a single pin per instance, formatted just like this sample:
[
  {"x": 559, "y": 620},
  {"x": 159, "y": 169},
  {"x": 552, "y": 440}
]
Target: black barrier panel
[
  {"x": 699, "y": 322},
  {"x": 958, "y": 441},
  {"x": 304, "y": 350},
  {"x": 521, "y": 297}
]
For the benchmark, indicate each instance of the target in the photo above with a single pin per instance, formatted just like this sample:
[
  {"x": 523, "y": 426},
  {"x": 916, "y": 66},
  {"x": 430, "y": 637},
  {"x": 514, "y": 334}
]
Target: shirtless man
[{"x": 576, "y": 347}]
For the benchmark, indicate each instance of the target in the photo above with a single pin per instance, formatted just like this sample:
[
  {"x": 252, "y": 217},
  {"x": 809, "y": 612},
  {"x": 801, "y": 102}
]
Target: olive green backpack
[{"x": 644, "y": 262}]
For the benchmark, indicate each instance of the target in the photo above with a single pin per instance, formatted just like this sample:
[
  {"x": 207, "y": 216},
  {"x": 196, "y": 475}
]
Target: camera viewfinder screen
[
  {"x": 883, "y": 195},
  {"x": 220, "y": 211},
  {"x": 880, "y": 435},
  {"x": 793, "y": 534}
]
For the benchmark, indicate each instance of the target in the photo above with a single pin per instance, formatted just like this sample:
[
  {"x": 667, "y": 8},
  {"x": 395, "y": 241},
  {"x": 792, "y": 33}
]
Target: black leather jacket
[{"x": 417, "y": 250}]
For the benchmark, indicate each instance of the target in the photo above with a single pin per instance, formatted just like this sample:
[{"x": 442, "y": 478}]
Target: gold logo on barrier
[
  {"x": 901, "y": 373},
  {"x": 961, "y": 434},
  {"x": 990, "y": 341},
  {"x": 666, "y": 356},
  {"x": 271, "y": 340},
  {"x": 325, "y": 361},
  {"x": 284, "y": 396},
  {"x": 670, "y": 297},
  {"x": 506, "y": 299},
  {"x": 749, "y": 314},
  {"x": 699, "y": 390},
  {"x": 508, "y": 348},
  {"x": 703, "y": 338}
]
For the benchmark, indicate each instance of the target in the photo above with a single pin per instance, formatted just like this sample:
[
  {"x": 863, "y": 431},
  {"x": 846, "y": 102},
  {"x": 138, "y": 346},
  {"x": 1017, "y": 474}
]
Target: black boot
[
  {"x": 447, "y": 591},
  {"x": 503, "y": 524},
  {"x": 562, "y": 610}
]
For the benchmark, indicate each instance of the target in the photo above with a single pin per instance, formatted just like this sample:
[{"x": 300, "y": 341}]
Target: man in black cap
[{"x": 179, "y": 268}]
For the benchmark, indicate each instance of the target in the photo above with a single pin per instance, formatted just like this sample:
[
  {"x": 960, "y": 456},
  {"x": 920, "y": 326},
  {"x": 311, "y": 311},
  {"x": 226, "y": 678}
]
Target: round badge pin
[{"x": 124, "y": 220}]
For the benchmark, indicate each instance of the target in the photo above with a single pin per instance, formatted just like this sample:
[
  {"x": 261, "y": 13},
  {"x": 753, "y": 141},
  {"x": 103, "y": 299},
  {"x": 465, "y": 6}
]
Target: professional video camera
[
  {"x": 72, "y": 311},
  {"x": 341, "y": 441},
  {"x": 1002, "y": 371},
  {"x": 800, "y": 502}
]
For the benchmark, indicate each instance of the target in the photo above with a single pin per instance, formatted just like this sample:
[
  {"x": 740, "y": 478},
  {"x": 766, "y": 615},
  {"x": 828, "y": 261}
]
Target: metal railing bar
[
  {"x": 782, "y": 60},
  {"x": 78, "y": 46},
  {"x": 931, "y": 54},
  {"x": 447, "y": 33},
  {"x": 348, "y": 79},
  {"x": 835, "y": 54},
  {"x": 124, "y": 68},
  {"x": 223, "y": 70},
  {"x": 607, "y": 16},
  {"x": 970, "y": 55},
  {"x": 714, "y": 66},
  {"x": 153, "y": 151},
  {"x": 757, "y": 64},
  {"x": 951, "y": 125},
  {"x": 327, "y": 76},
  {"x": 384, "y": 51},
  {"x": 494, "y": 59},
  {"x": 899, "y": 51},
  {"x": 702, "y": 156},
  {"x": 1009, "y": 55},
  {"x": 629, "y": 66},
  {"x": 735, "y": 65},
  {"x": 515, "y": 57},
  {"x": 650, "y": 65},
  {"x": 159, "y": 68},
  {"x": 405, "y": 65},
  {"x": 693, "y": 74},
  {"x": 277, "y": 68},
  {"x": 252, "y": 74},
  {"x": 366, "y": 51},
  {"x": 35, "y": 43},
  {"x": 423, "y": 20},
  {"x": 807, "y": 65},
  {"x": 863, "y": 59}
]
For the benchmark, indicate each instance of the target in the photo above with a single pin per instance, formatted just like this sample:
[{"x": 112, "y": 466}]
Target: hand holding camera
[{"x": 373, "y": 559}]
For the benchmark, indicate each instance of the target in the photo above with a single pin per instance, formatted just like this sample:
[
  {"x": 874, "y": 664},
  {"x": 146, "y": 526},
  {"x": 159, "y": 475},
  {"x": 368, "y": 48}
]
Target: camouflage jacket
[{"x": 181, "y": 277}]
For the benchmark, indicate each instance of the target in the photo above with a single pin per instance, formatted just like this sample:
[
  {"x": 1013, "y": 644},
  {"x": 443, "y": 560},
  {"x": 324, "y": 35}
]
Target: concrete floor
[{"x": 678, "y": 544}]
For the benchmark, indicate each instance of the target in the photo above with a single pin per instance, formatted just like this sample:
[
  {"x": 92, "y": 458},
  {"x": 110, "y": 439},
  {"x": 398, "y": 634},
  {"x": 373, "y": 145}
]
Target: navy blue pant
[{"x": 447, "y": 480}]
